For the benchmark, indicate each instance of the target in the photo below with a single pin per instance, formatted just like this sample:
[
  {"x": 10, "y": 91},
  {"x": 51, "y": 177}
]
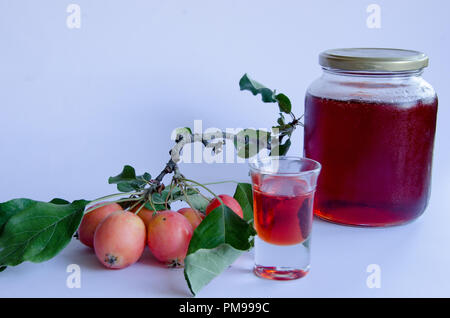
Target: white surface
[
  {"x": 76, "y": 105},
  {"x": 411, "y": 265},
  {"x": 413, "y": 258}
]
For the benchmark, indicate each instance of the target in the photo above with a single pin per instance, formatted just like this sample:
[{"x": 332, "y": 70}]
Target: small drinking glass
[{"x": 283, "y": 195}]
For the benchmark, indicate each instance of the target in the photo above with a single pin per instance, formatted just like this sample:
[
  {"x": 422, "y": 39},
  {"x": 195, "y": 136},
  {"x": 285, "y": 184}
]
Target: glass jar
[{"x": 370, "y": 120}]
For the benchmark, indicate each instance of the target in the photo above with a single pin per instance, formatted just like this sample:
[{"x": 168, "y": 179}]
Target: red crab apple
[
  {"x": 92, "y": 219},
  {"x": 228, "y": 201},
  {"x": 120, "y": 240},
  {"x": 168, "y": 237},
  {"x": 145, "y": 214},
  {"x": 194, "y": 216}
]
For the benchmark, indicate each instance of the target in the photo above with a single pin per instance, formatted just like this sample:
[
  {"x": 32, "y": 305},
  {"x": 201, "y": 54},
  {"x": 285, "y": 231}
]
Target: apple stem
[
  {"x": 135, "y": 204},
  {"x": 185, "y": 195},
  {"x": 140, "y": 208},
  {"x": 109, "y": 202}
]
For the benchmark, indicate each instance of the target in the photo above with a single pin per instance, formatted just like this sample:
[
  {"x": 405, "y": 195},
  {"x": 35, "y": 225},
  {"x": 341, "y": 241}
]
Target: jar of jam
[{"x": 370, "y": 120}]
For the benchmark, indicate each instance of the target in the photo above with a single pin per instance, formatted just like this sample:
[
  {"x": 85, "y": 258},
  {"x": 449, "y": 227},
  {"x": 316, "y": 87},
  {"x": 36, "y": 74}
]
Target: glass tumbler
[{"x": 283, "y": 196}]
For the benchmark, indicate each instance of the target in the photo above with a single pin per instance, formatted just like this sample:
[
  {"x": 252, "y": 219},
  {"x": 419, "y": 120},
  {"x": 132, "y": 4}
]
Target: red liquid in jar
[
  {"x": 282, "y": 210},
  {"x": 376, "y": 159}
]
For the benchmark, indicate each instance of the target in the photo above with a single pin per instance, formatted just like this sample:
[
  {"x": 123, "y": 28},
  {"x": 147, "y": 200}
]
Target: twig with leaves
[{"x": 217, "y": 241}]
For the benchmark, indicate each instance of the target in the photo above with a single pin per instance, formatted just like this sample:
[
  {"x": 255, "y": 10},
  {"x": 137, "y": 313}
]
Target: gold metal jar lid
[{"x": 373, "y": 59}]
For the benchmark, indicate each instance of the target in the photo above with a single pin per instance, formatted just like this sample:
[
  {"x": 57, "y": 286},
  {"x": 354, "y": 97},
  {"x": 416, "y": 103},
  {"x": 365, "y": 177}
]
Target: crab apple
[
  {"x": 228, "y": 201},
  {"x": 120, "y": 240},
  {"x": 92, "y": 219},
  {"x": 194, "y": 216},
  {"x": 145, "y": 214},
  {"x": 168, "y": 237}
]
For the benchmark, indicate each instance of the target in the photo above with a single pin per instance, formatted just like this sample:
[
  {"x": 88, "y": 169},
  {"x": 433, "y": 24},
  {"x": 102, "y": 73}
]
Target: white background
[{"x": 78, "y": 104}]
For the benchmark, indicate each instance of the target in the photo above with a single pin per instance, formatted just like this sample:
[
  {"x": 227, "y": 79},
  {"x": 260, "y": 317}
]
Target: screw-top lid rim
[{"x": 373, "y": 59}]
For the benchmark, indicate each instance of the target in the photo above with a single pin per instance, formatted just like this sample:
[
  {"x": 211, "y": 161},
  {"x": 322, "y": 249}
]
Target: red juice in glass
[
  {"x": 282, "y": 210},
  {"x": 283, "y": 194}
]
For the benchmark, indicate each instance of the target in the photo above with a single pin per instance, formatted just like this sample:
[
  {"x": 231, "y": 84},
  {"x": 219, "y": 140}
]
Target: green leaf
[
  {"x": 146, "y": 176},
  {"x": 281, "y": 120},
  {"x": 128, "y": 174},
  {"x": 284, "y": 103},
  {"x": 127, "y": 181},
  {"x": 284, "y": 130},
  {"x": 246, "y": 149},
  {"x": 249, "y": 142},
  {"x": 281, "y": 150},
  {"x": 10, "y": 208},
  {"x": 158, "y": 200},
  {"x": 125, "y": 187},
  {"x": 204, "y": 265},
  {"x": 2, "y": 268},
  {"x": 59, "y": 201},
  {"x": 244, "y": 195},
  {"x": 267, "y": 95},
  {"x": 222, "y": 225},
  {"x": 38, "y": 230},
  {"x": 219, "y": 238},
  {"x": 158, "y": 207},
  {"x": 197, "y": 201}
]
